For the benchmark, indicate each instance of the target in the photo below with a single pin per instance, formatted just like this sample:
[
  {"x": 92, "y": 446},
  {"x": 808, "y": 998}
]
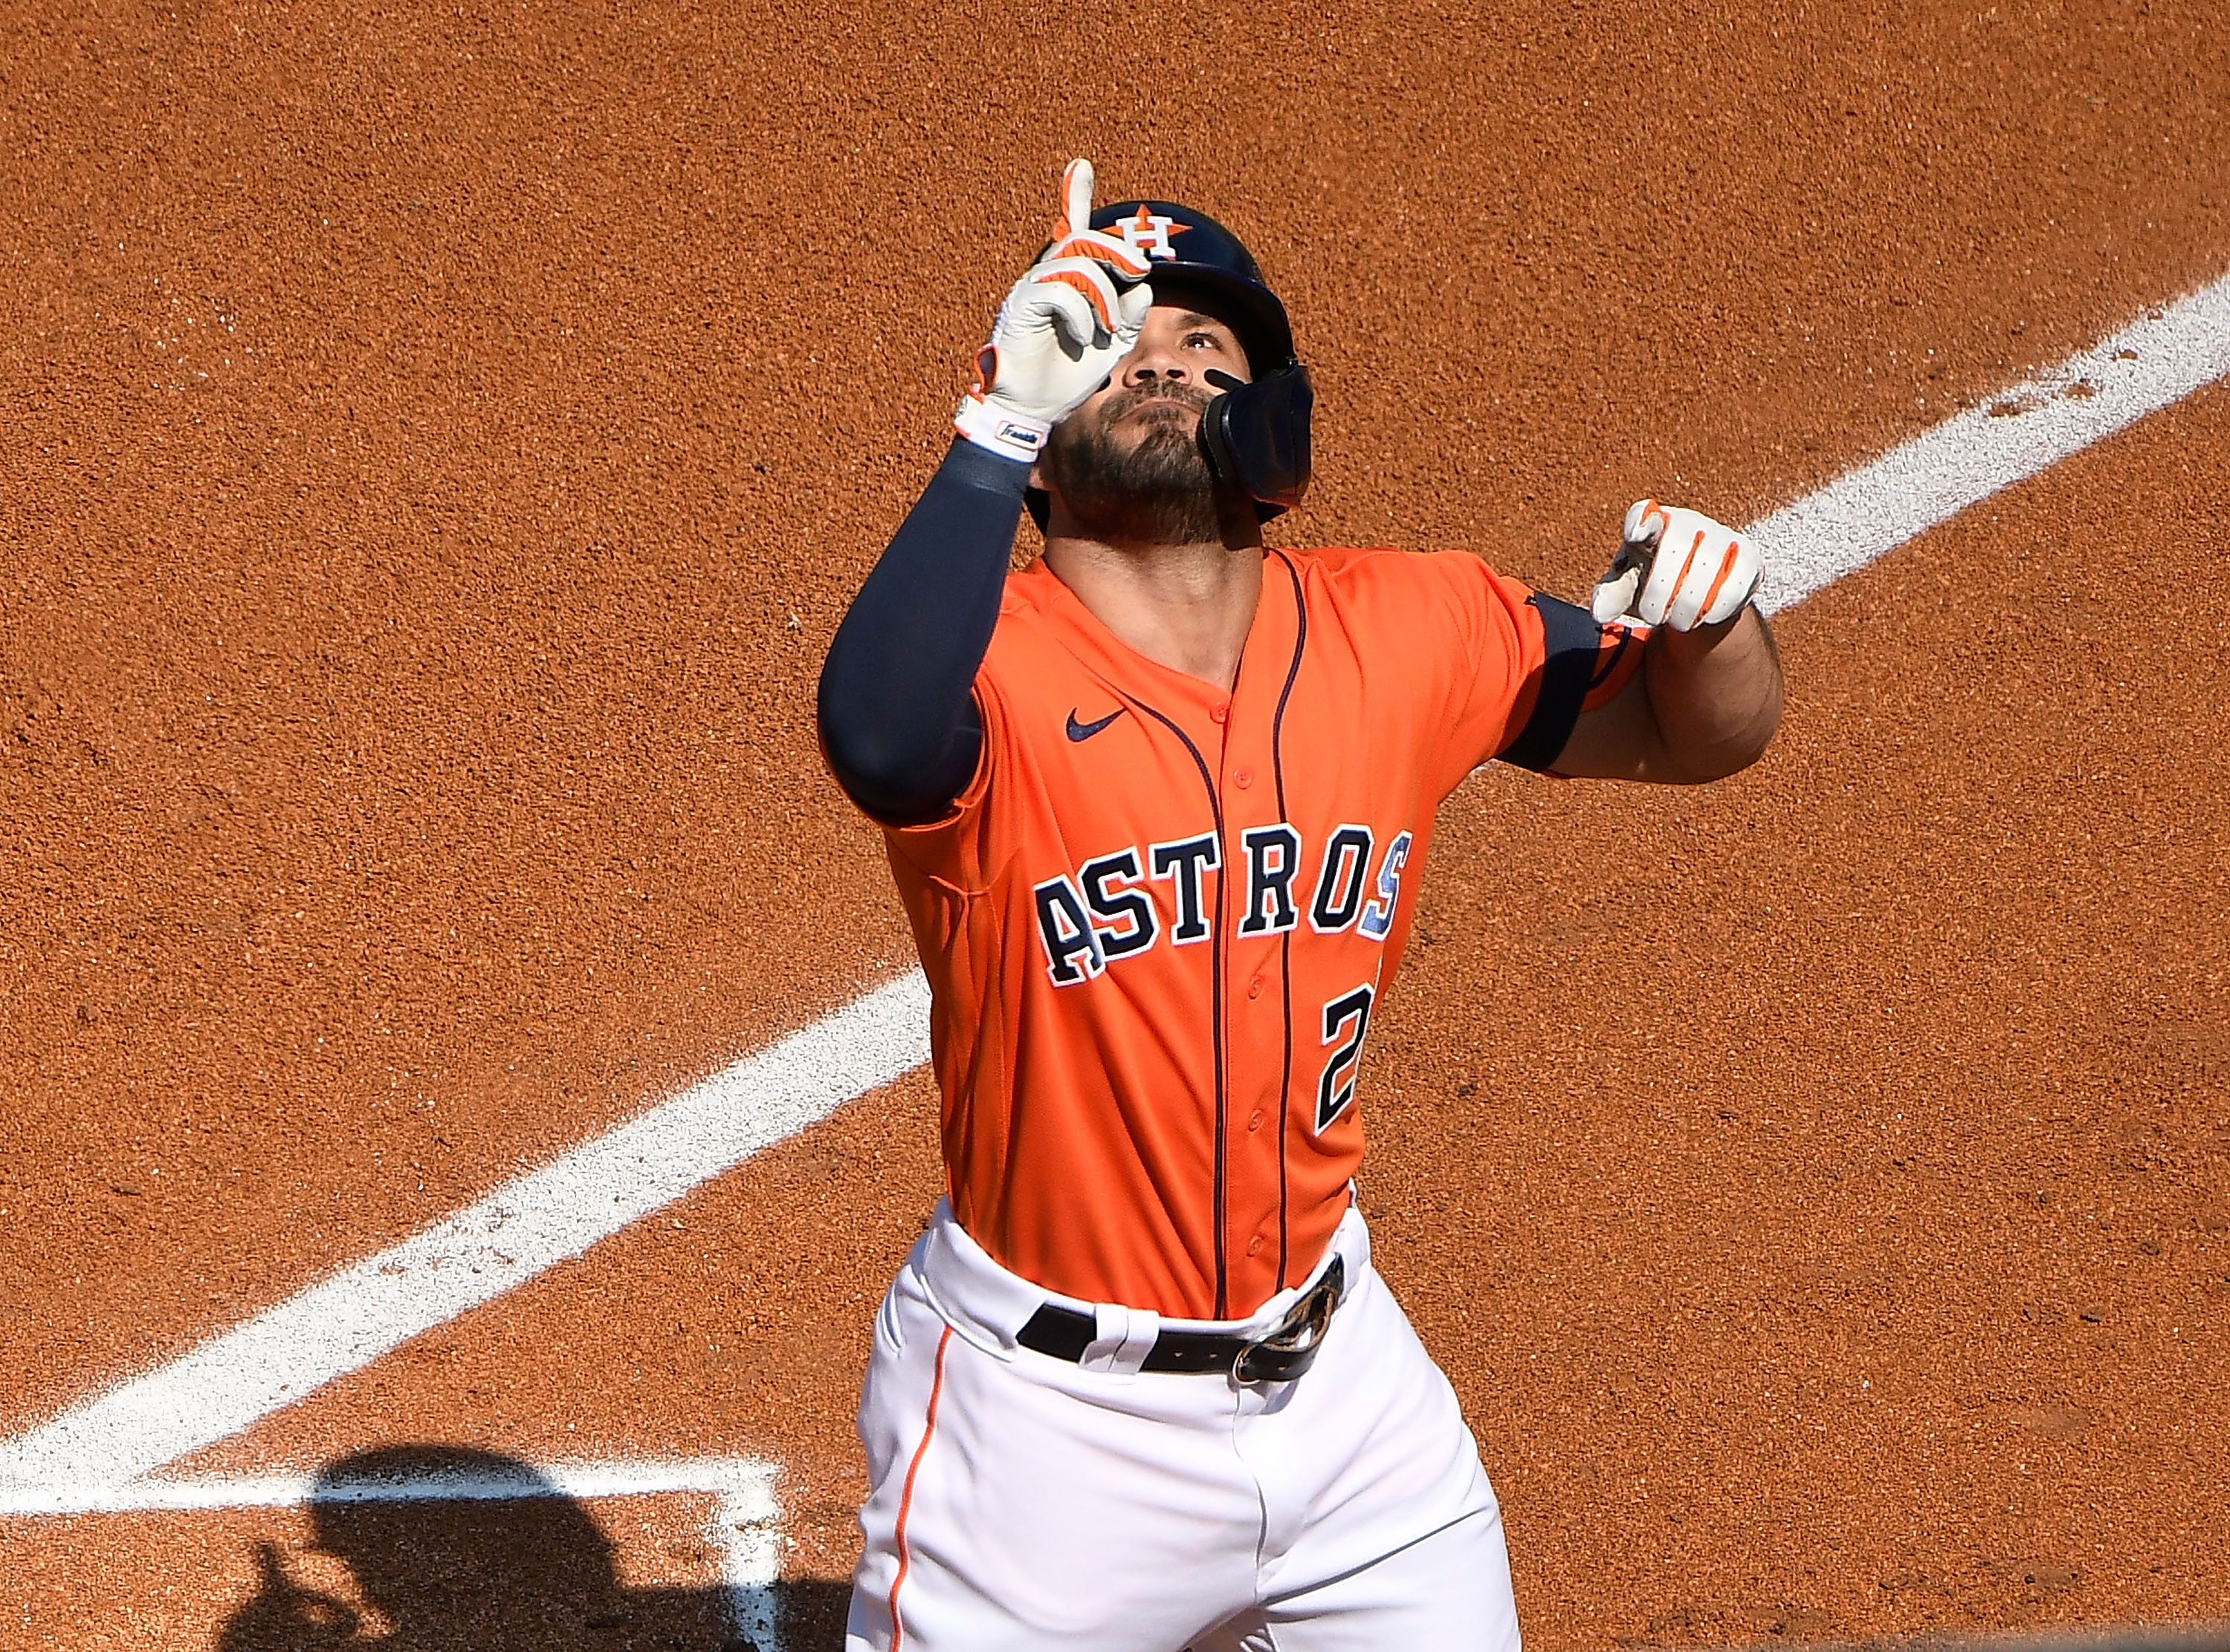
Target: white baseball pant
[{"x": 1019, "y": 1501}]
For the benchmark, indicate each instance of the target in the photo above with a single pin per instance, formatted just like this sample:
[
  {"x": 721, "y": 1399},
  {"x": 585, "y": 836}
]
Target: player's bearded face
[{"x": 1129, "y": 466}]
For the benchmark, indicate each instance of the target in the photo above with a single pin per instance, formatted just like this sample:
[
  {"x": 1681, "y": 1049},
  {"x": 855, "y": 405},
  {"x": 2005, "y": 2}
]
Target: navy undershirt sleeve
[
  {"x": 896, "y": 710},
  {"x": 1571, "y": 645}
]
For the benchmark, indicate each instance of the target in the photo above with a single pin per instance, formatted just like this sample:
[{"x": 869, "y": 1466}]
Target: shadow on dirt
[{"x": 516, "y": 1570}]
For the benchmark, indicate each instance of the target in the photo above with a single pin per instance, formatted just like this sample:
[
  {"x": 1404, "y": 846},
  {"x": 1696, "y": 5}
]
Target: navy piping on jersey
[
  {"x": 1215, "y": 1000},
  {"x": 1285, "y": 940}
]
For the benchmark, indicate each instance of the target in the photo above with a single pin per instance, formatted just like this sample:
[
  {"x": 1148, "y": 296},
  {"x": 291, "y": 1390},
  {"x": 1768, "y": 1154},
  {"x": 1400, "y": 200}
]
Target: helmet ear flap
[{"x": 1257, "y": 436}]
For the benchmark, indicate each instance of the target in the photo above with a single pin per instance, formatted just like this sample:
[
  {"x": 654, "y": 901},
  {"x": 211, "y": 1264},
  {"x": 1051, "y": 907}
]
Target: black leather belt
[{"x": 1285, "y": 1354}]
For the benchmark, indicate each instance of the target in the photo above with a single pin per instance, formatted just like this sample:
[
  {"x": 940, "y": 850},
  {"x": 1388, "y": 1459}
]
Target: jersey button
[
  {"x": 1254, "y": 1120},
  {"x": 1254, "y": 1245},
  {"x": 1219, "y": 714},
  {"x": 1242, "y": 778},
  {"x": 1254, "y": 987}
]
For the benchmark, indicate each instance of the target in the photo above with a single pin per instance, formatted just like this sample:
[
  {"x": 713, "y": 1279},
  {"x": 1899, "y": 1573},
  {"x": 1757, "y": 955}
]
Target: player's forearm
[
  {"x": 1715, "y": 695},
  {"x": 896, "y": 715}
]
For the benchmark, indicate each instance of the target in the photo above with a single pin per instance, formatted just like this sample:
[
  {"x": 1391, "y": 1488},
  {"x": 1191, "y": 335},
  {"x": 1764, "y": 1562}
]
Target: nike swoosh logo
[{"x": 1085, "y": 731}]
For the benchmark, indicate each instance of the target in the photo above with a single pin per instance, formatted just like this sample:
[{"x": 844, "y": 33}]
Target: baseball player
[{"x": 1156, "y": 806}]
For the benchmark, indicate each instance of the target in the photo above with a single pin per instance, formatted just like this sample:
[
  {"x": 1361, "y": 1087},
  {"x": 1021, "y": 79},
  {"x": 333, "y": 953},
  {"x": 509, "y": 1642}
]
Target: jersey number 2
[{"x": 1346, "y": 1021}]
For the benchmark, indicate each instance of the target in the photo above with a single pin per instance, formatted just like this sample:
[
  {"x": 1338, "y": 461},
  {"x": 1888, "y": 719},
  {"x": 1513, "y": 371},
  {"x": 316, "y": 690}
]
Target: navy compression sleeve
[
  {"x": 898, "y": 716},
  {"x": 1571, "y": 658}
]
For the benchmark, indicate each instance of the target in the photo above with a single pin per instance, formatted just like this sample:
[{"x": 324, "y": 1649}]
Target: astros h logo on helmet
[{"x": 1150, "y": 233}]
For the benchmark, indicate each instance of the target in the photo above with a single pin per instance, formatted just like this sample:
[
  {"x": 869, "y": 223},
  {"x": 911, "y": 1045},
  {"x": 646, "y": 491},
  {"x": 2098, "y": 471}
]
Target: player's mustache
[{"x": 1139, "y": 396}]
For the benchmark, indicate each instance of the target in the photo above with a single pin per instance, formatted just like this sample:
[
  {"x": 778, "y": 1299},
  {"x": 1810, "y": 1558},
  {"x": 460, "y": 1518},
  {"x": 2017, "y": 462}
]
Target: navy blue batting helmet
[
  {"x": 1182, "y": 246},
  {"x": 1257, "y": 435}
]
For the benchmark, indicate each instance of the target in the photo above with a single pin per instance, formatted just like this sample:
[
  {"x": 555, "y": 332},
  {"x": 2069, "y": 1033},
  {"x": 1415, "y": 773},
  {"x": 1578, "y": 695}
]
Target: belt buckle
[{"x": 1291, "y": 1348}]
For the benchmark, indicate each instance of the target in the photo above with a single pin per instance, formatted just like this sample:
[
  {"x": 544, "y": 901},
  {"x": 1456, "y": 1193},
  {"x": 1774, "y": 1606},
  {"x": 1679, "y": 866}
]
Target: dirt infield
[{"x": 441, "y": 448}]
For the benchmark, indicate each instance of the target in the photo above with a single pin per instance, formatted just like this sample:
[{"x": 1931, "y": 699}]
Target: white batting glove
[
  {"x": 1076, "y": 313},
  {"x": 1676, "y": 568}
]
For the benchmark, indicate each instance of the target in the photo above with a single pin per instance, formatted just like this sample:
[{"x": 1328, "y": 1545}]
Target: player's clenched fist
[
  {"x": 1676, "y": 568},
  {"x": 1074, "y": 314}
]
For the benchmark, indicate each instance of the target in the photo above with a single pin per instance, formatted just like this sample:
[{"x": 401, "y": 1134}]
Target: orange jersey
[{"x": 1156, "y": 924}]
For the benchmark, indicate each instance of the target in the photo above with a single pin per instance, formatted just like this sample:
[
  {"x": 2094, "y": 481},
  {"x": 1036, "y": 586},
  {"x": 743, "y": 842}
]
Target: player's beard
[{"x": 1158, "y": 491}]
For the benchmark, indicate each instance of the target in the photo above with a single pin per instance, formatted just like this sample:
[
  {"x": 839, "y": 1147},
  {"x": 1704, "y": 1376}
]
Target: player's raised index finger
[{"x": 1075, "y": 198}]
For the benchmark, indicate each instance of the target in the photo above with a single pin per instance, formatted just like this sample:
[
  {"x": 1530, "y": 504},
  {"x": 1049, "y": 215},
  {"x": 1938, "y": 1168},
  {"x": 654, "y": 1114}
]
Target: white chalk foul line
[
  {"x": 345, "y": 1323},
  {"x": 2147, "y": 366},
  {"x": 744, "y": 1529},
  {"x": 522, "y": 1229}
]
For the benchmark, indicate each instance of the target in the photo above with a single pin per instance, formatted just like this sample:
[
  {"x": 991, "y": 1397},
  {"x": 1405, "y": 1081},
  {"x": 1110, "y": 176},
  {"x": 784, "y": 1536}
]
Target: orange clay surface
[{"x": 440, "y": 442}]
